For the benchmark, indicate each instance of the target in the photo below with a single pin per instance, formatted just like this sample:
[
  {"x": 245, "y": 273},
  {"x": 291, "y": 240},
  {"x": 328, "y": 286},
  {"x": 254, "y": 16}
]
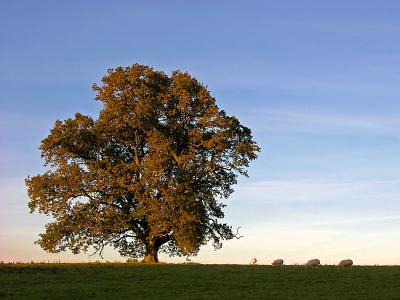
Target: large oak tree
[{"x": 147, "y": 175}]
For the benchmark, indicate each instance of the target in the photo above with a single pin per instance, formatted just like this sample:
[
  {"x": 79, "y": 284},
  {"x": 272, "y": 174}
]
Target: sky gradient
[{"x": 316, "y": 81}]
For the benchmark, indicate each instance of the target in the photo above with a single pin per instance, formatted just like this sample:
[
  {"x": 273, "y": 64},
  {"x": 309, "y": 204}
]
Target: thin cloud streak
[
  {"x": 363, "y": 220},
  {"x": 318, "y": 122},
  {"x": 290, "y": 191}
]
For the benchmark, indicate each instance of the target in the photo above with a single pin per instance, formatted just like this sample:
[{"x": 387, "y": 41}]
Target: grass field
[{"x": 191, "y": 281}]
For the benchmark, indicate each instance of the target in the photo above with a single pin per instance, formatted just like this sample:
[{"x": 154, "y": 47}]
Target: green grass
[{"x": 165, "y": 281}]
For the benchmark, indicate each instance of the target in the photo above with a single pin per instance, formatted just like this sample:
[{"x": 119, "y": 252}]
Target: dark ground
[{"x": 192, "y": 281}]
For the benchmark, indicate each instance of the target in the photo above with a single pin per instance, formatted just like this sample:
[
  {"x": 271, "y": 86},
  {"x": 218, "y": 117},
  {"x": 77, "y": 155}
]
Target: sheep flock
[{"x": 313, "y": 263}]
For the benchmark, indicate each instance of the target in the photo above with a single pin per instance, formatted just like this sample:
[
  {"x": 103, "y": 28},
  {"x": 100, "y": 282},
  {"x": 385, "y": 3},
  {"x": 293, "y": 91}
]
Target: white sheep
[
  {"x": 277, "y": 262},
  {"x": 346, "y": 263},
  {"x": 313, "y": 263}
]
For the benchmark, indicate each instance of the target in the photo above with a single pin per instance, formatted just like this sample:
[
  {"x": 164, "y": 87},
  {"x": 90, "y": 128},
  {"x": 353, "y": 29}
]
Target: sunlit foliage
[{"x": 146, "y": 175}]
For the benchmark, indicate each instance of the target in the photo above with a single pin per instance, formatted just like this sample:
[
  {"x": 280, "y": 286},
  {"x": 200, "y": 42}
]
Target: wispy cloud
[
  {"x": 317, "y": 191},
  {"x": 323, "y": 122}
]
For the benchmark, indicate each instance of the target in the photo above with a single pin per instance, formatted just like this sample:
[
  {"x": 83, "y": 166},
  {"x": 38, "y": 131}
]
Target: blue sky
[{"x": 317, "y": 81}]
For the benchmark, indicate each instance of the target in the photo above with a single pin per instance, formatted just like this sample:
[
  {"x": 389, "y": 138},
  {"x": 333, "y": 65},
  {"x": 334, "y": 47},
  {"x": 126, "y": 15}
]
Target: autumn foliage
[{"x": 147, "y": 175}]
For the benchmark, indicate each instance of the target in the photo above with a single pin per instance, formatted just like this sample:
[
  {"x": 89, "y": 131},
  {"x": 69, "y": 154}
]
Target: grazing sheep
[
  {"x": 253, "y": 261},
  {"x": 277, "y": 262},
  {"x": 346, "y": 263},
  {"x": 313, "y": 263}
]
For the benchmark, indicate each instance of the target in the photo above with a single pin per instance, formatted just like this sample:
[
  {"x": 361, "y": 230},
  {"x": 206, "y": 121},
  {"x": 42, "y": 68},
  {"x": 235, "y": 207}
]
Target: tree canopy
[{"x": 147, "y": 175}]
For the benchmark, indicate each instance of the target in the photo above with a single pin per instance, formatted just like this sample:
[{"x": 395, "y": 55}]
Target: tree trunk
[
  {"x": 151, "y": 255},
  {"x": 151, "y": 251}
]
